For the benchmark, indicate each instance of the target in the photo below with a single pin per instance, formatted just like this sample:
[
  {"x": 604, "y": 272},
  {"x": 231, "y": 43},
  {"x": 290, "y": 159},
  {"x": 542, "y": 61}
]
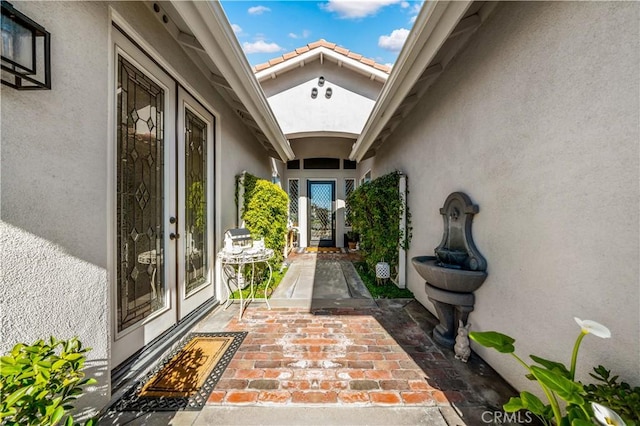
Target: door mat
[
  {"x": 186, "y": 377},
  {"x": 322, "y": 250}
]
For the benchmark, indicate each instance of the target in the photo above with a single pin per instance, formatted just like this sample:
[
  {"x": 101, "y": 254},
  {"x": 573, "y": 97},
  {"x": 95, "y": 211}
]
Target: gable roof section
[
  {"x": 322, "y": 50},
  {"x": 441, "y": 29}
]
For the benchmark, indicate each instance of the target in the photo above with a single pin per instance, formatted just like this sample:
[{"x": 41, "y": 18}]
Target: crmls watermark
[{"x": 500, "y": 417}]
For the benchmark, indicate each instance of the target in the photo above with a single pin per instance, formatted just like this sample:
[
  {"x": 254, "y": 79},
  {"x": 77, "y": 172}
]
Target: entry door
[
  {"x": 163, "y": 207},
  {"x": 321, "y": 213},
  {"x": 195, "y": 202}
]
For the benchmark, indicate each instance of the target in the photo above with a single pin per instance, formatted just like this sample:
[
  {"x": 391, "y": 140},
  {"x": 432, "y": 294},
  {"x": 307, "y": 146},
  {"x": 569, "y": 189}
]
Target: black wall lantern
[{"x": 26, "y": 51}]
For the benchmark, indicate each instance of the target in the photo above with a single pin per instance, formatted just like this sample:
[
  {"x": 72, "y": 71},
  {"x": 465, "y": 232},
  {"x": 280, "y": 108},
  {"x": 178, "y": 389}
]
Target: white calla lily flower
[
  {"x": 592, "y": 327},
  {"x": 606, "y": 416}
]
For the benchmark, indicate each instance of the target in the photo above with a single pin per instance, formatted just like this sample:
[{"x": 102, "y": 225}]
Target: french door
[
  {"x": 322, "y": 213},
  {"x": 164, "y": 210}
]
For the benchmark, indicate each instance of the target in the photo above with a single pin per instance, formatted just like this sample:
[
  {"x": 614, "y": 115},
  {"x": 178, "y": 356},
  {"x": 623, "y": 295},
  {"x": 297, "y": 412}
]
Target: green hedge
[
  {"x": 375, "y": 211},
  {"x": 266, "y": 214}
]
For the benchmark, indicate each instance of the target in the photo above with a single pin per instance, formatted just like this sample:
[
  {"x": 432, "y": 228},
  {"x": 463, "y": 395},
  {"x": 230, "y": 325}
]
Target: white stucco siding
[
  {"x": 53, "y": 189},
  {"x": 57, "y": 209},
  {"x": 353, "y": 96},
  {"x": 537, "y": 120}
]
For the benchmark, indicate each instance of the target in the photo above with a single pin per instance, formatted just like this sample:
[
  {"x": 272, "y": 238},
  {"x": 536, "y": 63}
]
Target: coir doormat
[
  {"x": 186, "y": 377},
  {"x": 322, "y": 250}
]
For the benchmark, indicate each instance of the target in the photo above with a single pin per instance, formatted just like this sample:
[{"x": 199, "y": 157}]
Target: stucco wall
[
  {"x": 537, "y": 121},
  {"x": 54, "y": 190},
  {"x": 53, "y": 206},
  {"x": 344, "y": 113}
]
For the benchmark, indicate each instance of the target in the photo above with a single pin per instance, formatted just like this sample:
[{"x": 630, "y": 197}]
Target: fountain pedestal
[
  {"x": 456, "y": 270},
  {"x": 451, "y": 308}
]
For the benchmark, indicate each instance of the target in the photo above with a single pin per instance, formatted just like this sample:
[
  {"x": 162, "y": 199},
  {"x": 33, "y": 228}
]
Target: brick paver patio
[{"x": 339, "y": 356}]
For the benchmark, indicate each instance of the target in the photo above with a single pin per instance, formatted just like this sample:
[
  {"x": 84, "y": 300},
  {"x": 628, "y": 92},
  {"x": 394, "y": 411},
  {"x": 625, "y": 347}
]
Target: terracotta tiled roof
[{"x": 322, "y": 43}]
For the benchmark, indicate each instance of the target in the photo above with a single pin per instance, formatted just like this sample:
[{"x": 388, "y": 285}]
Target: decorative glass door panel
[
  {"x": 144, "y": 252},
  {"x": 140, "y": 198},
  {"x": 321, "y": 213},
  {"x": 195, "y": 189},
  {"x": 196, "y": 207},
  {"x": 164, "y": 207}
]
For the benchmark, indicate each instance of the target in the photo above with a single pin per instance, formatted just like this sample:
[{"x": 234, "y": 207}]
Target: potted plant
[{"x": 352, "y": 239}]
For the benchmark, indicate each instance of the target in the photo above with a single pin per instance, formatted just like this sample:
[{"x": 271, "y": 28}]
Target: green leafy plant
[
  {"x": 40, "y": 381},
  {"x": 375, "y": 209},
  {"x": 248, "y": 181},
  {"x": 197, "y": 204},
  {"x": 619, "y": 396},
  {"x": 266, "y": 216},
  {"x": 353, "y": 236},
  {"x": 554, "y": 378},
  {"x": 384, "y": 291}
]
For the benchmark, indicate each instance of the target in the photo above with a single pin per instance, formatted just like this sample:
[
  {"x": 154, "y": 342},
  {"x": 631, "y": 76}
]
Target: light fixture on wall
[
  {"x": 314, "y": 92},
  {"x": 328, "y": 93},
  {"x": 26, "y": 51},
  {"x": 321, "y": 81}
]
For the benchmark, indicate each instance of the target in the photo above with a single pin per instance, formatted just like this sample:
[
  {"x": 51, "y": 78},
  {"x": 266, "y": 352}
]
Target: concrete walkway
[{"x": 326, "y": 353}]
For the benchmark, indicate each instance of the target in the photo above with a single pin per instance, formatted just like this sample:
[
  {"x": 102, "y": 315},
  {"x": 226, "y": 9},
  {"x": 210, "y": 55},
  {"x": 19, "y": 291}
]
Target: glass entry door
[
  {"x": 163, "y": 195},
  {"x": 321, "y": 213}
]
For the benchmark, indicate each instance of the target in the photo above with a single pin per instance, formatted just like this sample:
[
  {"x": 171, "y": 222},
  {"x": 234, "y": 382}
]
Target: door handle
[
  {"x": 174, "y": 236},
  {"x": 172, "y": 220}
]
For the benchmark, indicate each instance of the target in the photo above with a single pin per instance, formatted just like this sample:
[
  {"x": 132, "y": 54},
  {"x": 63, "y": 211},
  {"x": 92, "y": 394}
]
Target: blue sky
[{"x": 376, "y": 29}]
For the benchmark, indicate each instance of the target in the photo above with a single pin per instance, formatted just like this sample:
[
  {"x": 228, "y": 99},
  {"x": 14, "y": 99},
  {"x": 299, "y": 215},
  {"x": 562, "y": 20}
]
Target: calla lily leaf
[
  {"x": 514, "y": 404},
  {"x": 552, "y": 365},
  {"x": 532, "y": 403},
  {"x": 566, "y": 389},
  {"x": 492, "y": 339}
]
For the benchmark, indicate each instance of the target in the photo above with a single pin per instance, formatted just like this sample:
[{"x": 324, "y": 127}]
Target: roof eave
[
  {"x": 312, "y": 55},
  {"x": 431, "y": 29},
  {"x": 211, "y": 28}
]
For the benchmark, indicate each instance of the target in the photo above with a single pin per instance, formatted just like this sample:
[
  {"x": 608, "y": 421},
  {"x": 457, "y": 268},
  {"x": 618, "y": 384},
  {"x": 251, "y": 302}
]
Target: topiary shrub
[
  {"x": 266, "y": 216},
  {"x": 375, "y": 209},
  {"x": 38, "y": 382}
]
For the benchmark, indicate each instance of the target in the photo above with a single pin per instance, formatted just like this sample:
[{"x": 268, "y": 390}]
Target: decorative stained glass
[
  {"x": 139, "y": 195},
  {"x": 196, "y": 201},
  {"x": 349, "y": 186},
  {"x": 294, "y": 193}
]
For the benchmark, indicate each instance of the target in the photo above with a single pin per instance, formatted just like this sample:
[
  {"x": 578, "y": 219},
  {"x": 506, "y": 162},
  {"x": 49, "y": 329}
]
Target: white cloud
[
  {"x": 260, "y": 46},
  {"x": 236, "y": 28},
  {"x": 350, "y": 9},
  {"x": 304, "y": 34},
  {"x": 394, "y": 41},
  {"x": 413, "y": 19},
  {"x": 404, "y": 4},
  {"x": 258, "y": 10}
]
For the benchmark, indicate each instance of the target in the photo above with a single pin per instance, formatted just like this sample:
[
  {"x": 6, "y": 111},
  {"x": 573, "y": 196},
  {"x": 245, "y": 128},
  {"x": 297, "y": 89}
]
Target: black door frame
[{"x": 332, "y": 241}]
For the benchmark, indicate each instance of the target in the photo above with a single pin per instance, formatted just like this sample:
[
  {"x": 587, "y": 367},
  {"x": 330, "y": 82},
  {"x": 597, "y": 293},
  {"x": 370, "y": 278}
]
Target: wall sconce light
[
  {"x": 314, "y": 92},
  {"x": 26, "y": 51},
  {"x": 328, "y": 93},
  {"x": 321, "y": 81}
]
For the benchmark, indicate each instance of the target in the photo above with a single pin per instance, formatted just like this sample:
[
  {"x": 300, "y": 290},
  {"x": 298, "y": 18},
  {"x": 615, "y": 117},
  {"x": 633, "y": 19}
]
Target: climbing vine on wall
[
  {"x": 376, "y": 208},
  {"x": 249, "y": 182}
]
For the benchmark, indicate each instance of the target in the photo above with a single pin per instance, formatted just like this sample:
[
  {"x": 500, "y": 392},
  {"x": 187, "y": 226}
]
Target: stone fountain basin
[{"x": 456, "y": 280}]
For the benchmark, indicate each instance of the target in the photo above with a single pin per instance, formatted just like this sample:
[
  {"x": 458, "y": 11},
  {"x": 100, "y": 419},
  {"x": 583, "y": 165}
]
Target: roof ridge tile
[{"x": 328, "y": 45}]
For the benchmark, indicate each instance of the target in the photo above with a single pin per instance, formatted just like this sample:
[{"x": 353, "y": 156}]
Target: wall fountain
[{"x": 456, "y": 270}]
